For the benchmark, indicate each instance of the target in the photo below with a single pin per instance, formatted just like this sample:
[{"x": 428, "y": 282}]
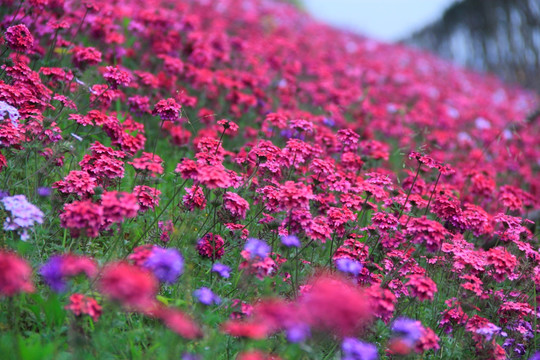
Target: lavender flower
[
  {"x": 354, "y": 349},
  {"x": 6, "y": 109},
  {"x": 166, "y": 264},
  {"x": 290, "y": 241},
  {"x": 223, "y": 270},
  {"x": 298, "y": 333},
  {"x": 206, "y": 296},
  {"x": 257, "y": 247},
  {"x": 23, "y": 215},
  {"x": 44, "y": 191},
  {"x": 490, "y": 330},
  {"x": 349, "y": 266},
  {"x": 409, "y": 330},
  {"x": 52, "y": 274}
]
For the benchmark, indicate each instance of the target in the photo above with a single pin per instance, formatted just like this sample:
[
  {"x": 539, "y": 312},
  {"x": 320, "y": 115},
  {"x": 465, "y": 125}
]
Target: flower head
[
  {"x": 206, "y": 296},
  {"x": 223, "y": 270},
  {"x": 23, "y": 215},
  {"x": 256, "y": 247},
  {"x": 166, "y": 264},
  {"x": 349, "y": 266},
  {"x": 19, "y": 38},
  {"x": 15, "y": 275},
  {"x": 354, "y": 349},
  {"x": 132, "y": 286},
  {"x": 290, "y": 241}
]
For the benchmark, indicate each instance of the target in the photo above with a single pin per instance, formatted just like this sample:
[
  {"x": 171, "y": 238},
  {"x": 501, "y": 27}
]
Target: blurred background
[{"x": 497, "y": 36}]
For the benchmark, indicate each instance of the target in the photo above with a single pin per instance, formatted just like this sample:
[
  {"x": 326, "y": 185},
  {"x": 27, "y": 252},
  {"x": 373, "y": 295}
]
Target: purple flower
[
  {"x": 52, "y": 274},
  {"x": 536, "y": 356},
  {"x": 206, "y": 296},
  {"x": 290, "y": 241},
  {"x": 490, "y": 330},
  {"x": 409, "y": 330},
  {"x": 354, "y": 349},
  {"x": 44, "y": 191},
  {"x": 189, "y": 356},
  {"x": 257, "y": 247},
  {"x": 349, "y": 266},
  {"x": 23, "y": 215},
  {"x": 223, "y": 270},
  {"x": 13, "y": 113},
  {"x": 166, "y": 264},
  {"x": 298, "y": 333}
]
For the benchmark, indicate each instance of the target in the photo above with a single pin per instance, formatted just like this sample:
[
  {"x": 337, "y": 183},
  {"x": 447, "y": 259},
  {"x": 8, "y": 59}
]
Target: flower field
[{"x": 195, "y": 179}]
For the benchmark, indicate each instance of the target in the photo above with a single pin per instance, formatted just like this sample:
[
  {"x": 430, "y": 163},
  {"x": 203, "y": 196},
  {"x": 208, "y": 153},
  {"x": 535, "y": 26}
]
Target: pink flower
[
  {"x": 167, "y": 109},
  {"x": 19, "y": 38},
  {"x": 211, "y": 246},
  {"x": 116, "y": 77},
  {"x": 294, "y": 195},
  {"x": 82, "y": 216},
  {"x": 80, "y": 304},
  {"x": 194, "y": 198},
  {"x": 149, "y": 162},
  {"x": 77, "y": 182},
  {"x": 422, "y": 287},
  {"x": 15, "y": 274},
  {"x": 235, "y": 204},
  {"x": 118, "y": 206},
  {"x": 147, "y": 197},
  {"x": 131, "y": 285}
]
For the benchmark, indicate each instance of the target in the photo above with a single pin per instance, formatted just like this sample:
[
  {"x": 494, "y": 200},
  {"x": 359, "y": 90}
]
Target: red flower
[
  {"x": 139, "y": 104},
  {"x": 349, "y": 139},
  {"x": 430, "y": 232},
  {"x": 214, "y": 176},
  {"x": 336, "y": 305},
  {"x": 82, "y": 216},
  {"x": 194, "y": 198},
  {"x": 167, "y": 109},
  {"x": 131, "y": 285},
  {"x": 251, "y": 329},
  {"x": 294, "y": 195},
  {"x": 256, "y": 355},
  {"x": 73, "y": 265},
  {"x": 15, "y": 274},
  {"x": 83, "y": 56},
  {"x": 18, "y": 38},
  {"x": 147, "y": 197},
  {"x": 503, "y": 262},
  {"x": 119, "y": 205},
  {"x": 77, "y": 182},
  {"x": 428, "y": 341},
  {"x": 235, "y": 204},
  {"x": 422, "y": 287},
  {"x": 116, "y": 77},
  {"x": 180, "y": 323},
  {"x": 149, "y": 162},
  {"x": 382, "y": 302},
  {"x": 80, "y": 304},
  {"x": 141, "y": 254},
  {"x": 104, "y": 163},
  {"x": 319, "y": 229},
  {"x": 211, "y": 246}
]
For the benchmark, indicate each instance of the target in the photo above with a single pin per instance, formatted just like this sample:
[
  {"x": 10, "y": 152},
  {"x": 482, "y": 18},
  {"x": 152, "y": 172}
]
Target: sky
[{"x": 386, "y": 20}]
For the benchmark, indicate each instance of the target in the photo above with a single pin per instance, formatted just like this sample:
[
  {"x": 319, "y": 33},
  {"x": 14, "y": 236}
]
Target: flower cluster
[{"x": 22, "y": 215}]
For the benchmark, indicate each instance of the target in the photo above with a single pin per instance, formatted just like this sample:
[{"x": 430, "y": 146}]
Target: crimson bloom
[
  {"x": 130, "y": 285},
  {"x": 15, "y": 274}
]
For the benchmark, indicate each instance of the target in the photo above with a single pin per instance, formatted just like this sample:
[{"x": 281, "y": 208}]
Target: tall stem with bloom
[
  {"x": 410, "y": 190},
  {"x": 433, "y": 192}
]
